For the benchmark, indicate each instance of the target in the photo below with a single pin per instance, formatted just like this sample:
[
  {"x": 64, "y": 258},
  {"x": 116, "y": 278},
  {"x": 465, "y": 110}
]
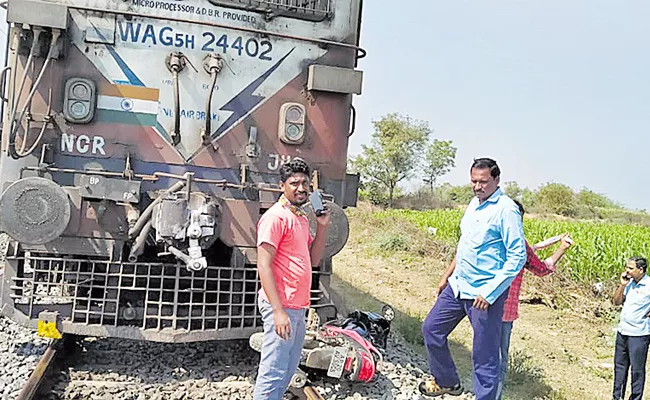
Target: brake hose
[
  {"x": 176, "y": 133},
  {"x": 208, "y": 107},
  {"x": 146, "y": 214},
  {"x": 12, "y": 134},
  {"x": 213, "y": 67},
  {"x": 46, "y": 121},
  {"x": 176, "y": 63},
  {"x": 17, "y": 94}
]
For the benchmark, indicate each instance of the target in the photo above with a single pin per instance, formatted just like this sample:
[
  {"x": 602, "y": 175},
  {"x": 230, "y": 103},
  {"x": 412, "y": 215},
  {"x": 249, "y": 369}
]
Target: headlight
[
  {"x": 78, "y": 110},
  {"x": 292, "y": 123},
  {"x": 80, "y": 90},
  {"x": 294, "y": 133},
  {"x": 79, "y": 101},
  {"x": 294, "y": 114}
]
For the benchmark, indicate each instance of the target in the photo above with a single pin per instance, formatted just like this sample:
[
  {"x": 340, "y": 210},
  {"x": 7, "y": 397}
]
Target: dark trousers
[
  {"x": 630, "y": 351},
  {"x": 441, "y": 321}
]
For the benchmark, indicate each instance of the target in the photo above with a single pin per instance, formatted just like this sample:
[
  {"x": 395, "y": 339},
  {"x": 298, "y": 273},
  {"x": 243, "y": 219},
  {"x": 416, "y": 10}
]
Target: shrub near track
[{"x": 600, "y": 252}]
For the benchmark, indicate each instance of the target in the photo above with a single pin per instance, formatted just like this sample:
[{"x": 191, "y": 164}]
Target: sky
[{"x": 555, "y": 91}]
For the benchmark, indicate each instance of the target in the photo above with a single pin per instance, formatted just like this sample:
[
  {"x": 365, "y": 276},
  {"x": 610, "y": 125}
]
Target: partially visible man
[
  {"x": 511, "y": 306},
  {"x": 285, "y": 255},
  {"x": 491, "y": 252},
  {"x": 633, "y": 336}
]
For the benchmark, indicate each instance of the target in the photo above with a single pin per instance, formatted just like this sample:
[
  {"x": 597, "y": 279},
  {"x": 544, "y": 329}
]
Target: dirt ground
[{"x": 555, "y": 354}]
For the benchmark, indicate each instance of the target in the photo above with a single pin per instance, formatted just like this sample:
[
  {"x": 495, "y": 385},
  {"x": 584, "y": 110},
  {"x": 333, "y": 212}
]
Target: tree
[
  {"x": 392, "y": 155},
  {"x": 439, "y": 159},
  {"x": 593, "y": 200},
  {"x": 512, "y": 190},
  {"x": 527, "y": 198},
  {"x": 557, "y": 198}
]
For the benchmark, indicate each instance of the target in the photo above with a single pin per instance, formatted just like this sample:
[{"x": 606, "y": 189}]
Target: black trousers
[{"x": 631, "y": 351}]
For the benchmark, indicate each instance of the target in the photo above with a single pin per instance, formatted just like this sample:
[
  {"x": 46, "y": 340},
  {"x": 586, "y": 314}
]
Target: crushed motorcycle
[{"x": 347, "y": 349}]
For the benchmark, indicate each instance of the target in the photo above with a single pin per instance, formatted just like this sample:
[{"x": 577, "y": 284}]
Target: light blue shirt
[
  {"x": 635, "y": 307},
  {"x": 491, "y": 250}
]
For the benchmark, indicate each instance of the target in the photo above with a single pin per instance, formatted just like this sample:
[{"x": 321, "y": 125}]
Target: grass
[
  {"x": 521, "y": 366},
  {"x": 525, "y": 379}
]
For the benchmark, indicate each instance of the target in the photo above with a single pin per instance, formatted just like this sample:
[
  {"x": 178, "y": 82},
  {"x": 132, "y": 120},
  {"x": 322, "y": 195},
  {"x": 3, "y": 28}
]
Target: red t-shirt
[
  {"x": 534, "y": 265},
  {"x": 289, "y": 234}
]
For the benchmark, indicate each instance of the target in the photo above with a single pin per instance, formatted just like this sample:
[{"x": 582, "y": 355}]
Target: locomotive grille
[
  {"x": 154, "y": 297},
  {"x": 147, "y": 295}
]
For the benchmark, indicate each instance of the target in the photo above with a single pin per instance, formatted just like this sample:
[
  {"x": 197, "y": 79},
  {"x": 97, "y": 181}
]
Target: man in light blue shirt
[
  {"x": 491, "y": 252},
  {"x": 633, "y": 336}
]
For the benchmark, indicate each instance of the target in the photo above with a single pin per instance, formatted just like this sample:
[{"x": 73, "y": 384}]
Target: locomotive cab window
[{"x": 312, "y": 10}]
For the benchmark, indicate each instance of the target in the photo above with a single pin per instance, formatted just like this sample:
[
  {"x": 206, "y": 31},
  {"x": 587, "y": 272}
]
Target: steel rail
[
  {"x": 33, "y": 384},
  {"x": 312, "y": 394}
]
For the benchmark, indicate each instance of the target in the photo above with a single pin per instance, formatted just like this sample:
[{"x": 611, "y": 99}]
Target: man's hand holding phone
[
  {"x": 625, "y": 278},
  {"x": 321, "y": 211}
]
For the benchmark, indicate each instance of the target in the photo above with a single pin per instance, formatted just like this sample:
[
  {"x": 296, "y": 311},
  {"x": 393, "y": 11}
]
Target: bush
[
  {"x": 423, "y": 199},
  {"x": 557, "y": 198},
  {"x": 394, "y": 242}
]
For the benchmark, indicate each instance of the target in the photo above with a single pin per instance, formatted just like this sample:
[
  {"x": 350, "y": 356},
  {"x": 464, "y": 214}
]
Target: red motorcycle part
[
  {"x": 367, "y": 370},
  {"x": 366, "y": 364}
]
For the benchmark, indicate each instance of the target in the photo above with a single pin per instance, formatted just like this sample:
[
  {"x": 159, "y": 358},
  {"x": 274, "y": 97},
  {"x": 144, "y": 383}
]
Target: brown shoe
[{"x": 432, "y": 389}]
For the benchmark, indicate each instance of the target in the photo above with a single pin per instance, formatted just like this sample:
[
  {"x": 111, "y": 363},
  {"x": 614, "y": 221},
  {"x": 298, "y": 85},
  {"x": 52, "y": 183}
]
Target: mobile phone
[{"x": 316, "y": 200}]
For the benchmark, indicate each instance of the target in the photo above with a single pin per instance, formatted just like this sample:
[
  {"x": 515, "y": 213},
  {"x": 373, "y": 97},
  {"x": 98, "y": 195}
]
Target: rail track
[
  {"x": 109, "y": 368},
  {"x": 59, "y": 351},
  {"x": 45, "y": 365}
]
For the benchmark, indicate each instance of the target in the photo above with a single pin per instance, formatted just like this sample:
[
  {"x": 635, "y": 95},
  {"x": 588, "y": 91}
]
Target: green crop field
[{"x": 600, "y": 250}]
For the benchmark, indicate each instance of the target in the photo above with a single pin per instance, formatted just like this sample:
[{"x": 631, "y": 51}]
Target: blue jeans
[
  {"x": 506, "y": 330},
  {"x": 631, "y": 351},
  {"x": 280, "y": 358},
  {"x": 441, "y": 321}
]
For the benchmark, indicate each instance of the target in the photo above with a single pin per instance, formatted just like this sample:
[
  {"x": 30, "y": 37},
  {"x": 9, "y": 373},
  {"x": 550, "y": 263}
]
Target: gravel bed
[
  {"x": 134, "y": 370},
  {"x": 20, "y": 350}
]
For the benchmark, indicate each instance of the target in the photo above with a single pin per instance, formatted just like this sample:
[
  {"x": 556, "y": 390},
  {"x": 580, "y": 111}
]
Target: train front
[{"x": 142, "y": 141}]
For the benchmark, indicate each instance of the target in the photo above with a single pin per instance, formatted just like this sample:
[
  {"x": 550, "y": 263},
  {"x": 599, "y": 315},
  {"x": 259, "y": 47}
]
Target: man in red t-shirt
[
  {"x": 285, "y": 255},
  {"x": 511, "y": 307}
]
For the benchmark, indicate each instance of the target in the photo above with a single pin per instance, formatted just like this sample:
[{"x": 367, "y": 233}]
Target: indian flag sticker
[{"x": 127, "y": 104}]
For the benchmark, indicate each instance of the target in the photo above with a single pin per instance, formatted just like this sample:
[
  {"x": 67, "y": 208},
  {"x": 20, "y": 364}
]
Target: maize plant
[{"x": 600, "y": 251}]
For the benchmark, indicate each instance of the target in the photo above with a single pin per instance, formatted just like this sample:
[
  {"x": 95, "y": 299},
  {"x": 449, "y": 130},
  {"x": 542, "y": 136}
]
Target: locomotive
[{"x": 141, "y": 143}]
